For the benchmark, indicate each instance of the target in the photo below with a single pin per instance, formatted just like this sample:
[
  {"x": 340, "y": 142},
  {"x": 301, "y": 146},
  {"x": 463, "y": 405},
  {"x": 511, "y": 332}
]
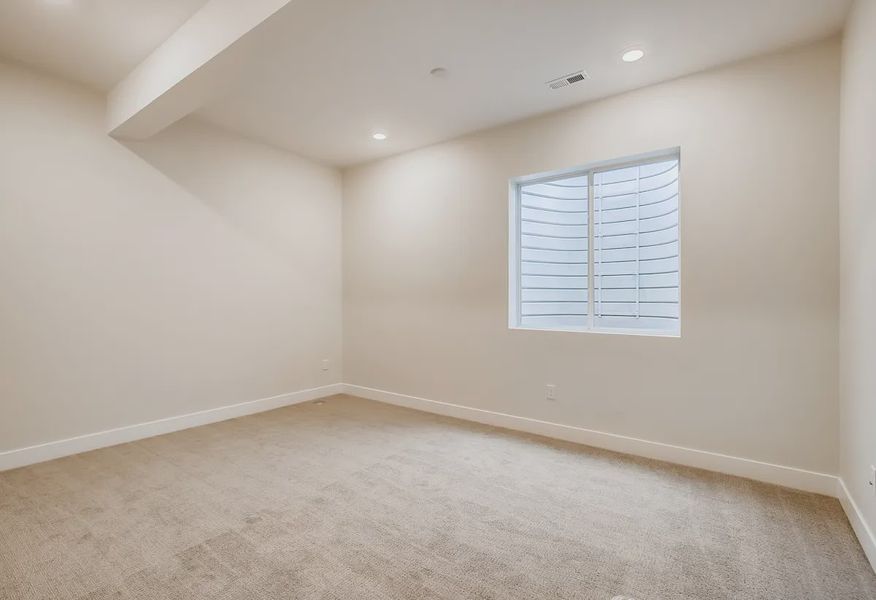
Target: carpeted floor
[{"x": 352, "y": 499}]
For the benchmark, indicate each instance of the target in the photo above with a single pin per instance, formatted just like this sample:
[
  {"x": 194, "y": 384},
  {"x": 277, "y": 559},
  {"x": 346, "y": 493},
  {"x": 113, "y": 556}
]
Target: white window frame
[{"x": 514, "y": 240}]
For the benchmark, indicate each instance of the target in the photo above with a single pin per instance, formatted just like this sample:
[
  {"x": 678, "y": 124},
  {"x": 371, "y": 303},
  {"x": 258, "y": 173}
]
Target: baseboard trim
[
  {"x": 791, "y": 477},
  {"x": 859, "y": 524},
  {"x": 21, "y": 457}
]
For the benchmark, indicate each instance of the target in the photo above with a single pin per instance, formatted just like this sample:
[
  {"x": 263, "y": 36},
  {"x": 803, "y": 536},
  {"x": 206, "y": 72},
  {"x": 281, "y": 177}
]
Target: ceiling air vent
[{"x": 569, "y": 79}]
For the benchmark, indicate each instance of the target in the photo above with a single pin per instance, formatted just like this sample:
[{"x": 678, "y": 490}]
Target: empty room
[{"x": 437, "y": 299}]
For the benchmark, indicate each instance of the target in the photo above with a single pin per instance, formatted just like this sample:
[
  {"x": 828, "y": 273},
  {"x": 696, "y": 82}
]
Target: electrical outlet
[
  {"x": 872, "y": 481},
  {"x": 325, "y": 364},
  {"x": 550, "y": 392}
]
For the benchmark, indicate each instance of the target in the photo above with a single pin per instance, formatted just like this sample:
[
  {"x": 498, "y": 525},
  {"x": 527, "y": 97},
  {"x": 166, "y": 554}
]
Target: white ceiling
[
  {"x": 328, "y": 73},
  {"x": 335, "y": 70},
  {"x": 96, "y": 42}
]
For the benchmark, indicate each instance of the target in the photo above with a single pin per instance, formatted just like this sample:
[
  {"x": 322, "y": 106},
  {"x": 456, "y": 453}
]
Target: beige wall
[
  {"x": 195, "y": 270},
  {"x": 754, "y": 374},
  {"x": 139, "y": 282},
  {"x": 858, "y": 259}
]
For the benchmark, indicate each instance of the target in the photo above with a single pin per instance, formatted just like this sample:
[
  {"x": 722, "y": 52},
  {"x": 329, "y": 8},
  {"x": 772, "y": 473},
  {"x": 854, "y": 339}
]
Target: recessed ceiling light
[
  {"x": 379, "y": 136},
  {"x": 633, "y": 55}
]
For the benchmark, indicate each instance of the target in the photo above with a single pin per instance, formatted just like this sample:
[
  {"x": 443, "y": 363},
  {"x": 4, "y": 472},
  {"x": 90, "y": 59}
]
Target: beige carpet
[{"x": 353, "y": 499}]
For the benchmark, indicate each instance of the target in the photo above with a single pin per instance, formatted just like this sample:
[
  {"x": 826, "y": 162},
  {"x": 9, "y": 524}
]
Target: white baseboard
[
  {"x": 34, "y": 454},
  {"x": 790, "y": 477},
  {"x": 856, "y": 518}
]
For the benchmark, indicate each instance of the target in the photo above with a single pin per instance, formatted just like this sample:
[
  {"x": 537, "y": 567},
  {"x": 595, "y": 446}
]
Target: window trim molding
[{"x": 514, "y": 242}]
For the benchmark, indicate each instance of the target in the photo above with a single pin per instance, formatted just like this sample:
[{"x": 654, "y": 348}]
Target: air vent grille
[{"x": 567, "y": 80}]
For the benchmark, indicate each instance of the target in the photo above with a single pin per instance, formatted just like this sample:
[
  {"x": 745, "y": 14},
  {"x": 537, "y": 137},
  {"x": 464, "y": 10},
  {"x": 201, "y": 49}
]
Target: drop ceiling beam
[{"x": 205, "y": 53}]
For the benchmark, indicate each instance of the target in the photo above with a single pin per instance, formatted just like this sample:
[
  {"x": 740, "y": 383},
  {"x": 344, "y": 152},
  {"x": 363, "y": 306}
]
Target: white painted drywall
[
  {"x": 754, "y": 373},
  {"x": 139, "y": 282},
  {"x": 193, "y": 64},
  {"x": 858, "y": 259}
]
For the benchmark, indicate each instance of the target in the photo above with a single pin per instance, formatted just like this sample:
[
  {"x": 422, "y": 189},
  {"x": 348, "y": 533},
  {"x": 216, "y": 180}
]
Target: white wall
[
  {"x": 197, "y": 269},
  {"x": 754, "y": 374},
  {"x": 188, "y": 272},
  {"x": 858, "y": 262}
]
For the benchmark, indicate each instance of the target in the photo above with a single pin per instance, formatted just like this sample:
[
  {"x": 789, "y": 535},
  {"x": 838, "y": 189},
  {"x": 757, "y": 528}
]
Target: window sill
[{"x": 636, "y": 332}]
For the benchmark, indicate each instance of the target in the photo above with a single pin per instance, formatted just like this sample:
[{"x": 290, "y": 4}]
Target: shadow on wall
[
  {"x": 146, "y": 280},
  {"x": 266, "y": 194}
]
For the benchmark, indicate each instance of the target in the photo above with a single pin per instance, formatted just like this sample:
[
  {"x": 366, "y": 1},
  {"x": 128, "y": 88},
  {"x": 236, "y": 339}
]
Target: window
[{"x": 627, "y": 212}]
